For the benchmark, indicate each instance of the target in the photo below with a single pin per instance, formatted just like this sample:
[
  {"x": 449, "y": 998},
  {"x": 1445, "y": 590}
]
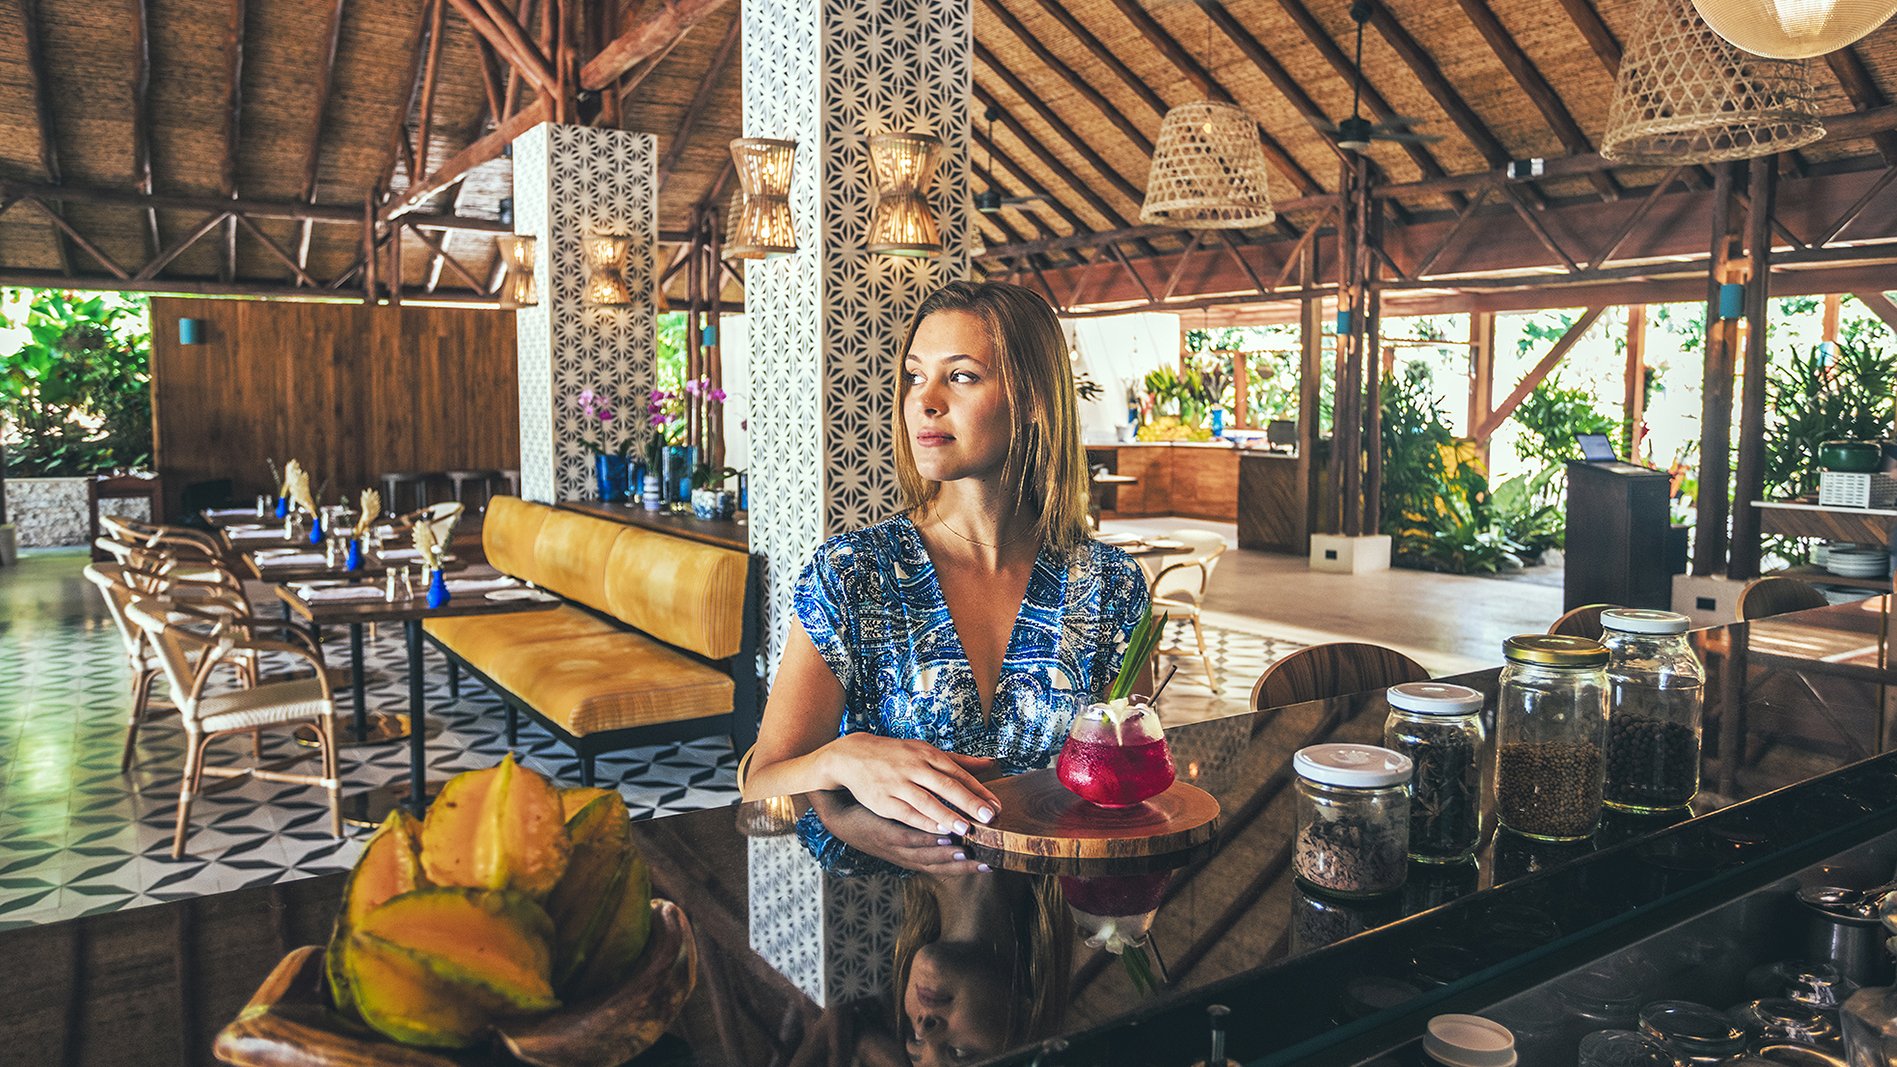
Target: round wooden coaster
[{"x": 1039, "y": 817}]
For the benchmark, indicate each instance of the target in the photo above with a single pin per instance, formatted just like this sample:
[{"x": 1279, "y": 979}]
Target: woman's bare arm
[{"x": 803, "y": 714}]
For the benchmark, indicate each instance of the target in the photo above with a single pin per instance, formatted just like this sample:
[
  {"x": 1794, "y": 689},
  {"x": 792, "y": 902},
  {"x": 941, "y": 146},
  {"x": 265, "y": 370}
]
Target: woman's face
[
  {"x": 955, "y": 1008},
  {"x": 954, "y": 409}
]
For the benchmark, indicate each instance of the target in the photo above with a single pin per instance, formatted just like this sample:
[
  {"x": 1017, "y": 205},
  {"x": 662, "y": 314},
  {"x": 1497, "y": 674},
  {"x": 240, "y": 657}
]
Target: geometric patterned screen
[
  {"x": 571, "y": 181},
  {"x": 827, "y": 321}
]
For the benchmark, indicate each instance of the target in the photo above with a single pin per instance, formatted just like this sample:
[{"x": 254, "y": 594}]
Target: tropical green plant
[
  {"x": 1551, "y": 416},
  {"x": 75, "y": 391},
  {"x": 1527, "y": 516},
  {"x": 1435, "y": 496},
  {"x": 1817, "y": 396}
]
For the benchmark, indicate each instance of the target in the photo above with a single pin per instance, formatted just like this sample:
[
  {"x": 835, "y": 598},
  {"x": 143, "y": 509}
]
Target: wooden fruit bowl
[{"x": 291, "y": 1023}]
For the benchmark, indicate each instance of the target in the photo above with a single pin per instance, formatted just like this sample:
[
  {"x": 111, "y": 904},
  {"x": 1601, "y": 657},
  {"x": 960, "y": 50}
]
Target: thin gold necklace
[{"x": 972, "y": 541}]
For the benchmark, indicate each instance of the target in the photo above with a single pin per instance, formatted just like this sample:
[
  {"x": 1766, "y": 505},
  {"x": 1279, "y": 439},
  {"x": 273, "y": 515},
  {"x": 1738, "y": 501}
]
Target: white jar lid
[
  {"x": 1644, "y": 621},
  {"x": 1352, "y": 766},
  {"x": 1469, "y": 1041},
  {"x": 1434, "y": 698}
]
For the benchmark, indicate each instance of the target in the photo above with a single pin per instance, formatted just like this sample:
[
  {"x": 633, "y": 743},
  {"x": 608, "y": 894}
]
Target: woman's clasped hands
[{"x": 912, "y": 782}]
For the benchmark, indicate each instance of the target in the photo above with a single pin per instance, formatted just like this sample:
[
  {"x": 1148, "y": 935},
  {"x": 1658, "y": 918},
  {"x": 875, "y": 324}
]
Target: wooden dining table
[{"x": 410, "y": 608}]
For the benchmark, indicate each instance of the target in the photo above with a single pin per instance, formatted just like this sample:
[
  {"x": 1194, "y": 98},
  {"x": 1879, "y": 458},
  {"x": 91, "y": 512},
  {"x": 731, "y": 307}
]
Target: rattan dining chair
[
  {"x": 1321, "y": 672},
  {"x": 187, "y": 659},
  {"x": 1773, "y": 595},
  {"x": 1178, "y": 589},
  {"x": 1584, "y": 621},
  {"x": 178, "y": 540}
]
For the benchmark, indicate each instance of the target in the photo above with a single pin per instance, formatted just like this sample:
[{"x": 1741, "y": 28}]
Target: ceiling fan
[
  {"x": 990, "y": 200},
  {"x": 1355, "y": 133}
]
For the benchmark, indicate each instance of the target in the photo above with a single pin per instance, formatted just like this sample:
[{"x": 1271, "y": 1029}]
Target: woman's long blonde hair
[{"x": 1046, "y": 469}]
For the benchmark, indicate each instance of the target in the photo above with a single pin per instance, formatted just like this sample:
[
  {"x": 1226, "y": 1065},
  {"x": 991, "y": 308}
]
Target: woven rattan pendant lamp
[
  {"x": 1685, "y": 95},
  {"x": 1208, "y": 170},
  {"x": 1794, "y": 29}
]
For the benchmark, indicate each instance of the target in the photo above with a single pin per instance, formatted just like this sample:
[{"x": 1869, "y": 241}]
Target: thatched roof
[{"x": 240, "y": 98}]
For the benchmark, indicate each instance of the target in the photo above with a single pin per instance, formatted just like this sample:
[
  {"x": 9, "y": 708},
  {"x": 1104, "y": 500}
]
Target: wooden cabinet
[{"x": 1196, "y": 481}]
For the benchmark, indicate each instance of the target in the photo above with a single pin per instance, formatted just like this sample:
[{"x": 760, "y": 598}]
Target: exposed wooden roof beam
[
  {"x": 434, "y": 242},
  {"x": 1528, "y": 76},
  {"x": 988, "y": 179},
  {"x": 1067, "y": 74},
  {"x": 1423, "y": 66},
  {"x": 424, "y": 127},
  {"x": 647, "y": 37},
  {"x": 1156, "y": 35},
  {"x": 177, "y": 247},
  {"x": 1373, "y": 101},
  {"x": 1054, "y": 122},
  {"x": 1862, "y": 90},
  {"x": 701, "y": 100},
  {"x": 398, "y": 129},
  {"x": 482, "y": 151},
  {"x": 501, "y": 30},
  {"x": 302, "y": 277},
  {"x": 1287, "y": 86},
  {"x": 43, "y": 114},
  {"x": 79, "y": 239},
  {"x": 257, "y": 209},
  {"x": 1595, "y": 32},
  {"x": 141, "y": 114},
  {"x": 1058, "y": 11},
  {"x": 327, "y": 293},
  {"x": 313, "y": 155},
  {"x": 233, "y": 125}
]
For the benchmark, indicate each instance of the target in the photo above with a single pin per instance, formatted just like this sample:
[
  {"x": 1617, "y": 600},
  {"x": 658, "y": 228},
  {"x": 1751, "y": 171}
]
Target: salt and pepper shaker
[
  {"x": 408, "y": 584},
  {"x": 388, "y": 594},
  {"x": 1216, "y": 1015}
]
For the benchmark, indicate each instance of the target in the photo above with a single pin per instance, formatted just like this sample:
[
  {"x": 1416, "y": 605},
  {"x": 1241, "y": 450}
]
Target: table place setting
[
  {"x": 487, "y": 584},
  {"x": 317, "y": 594},
  {"x": 290, "y": 559}
]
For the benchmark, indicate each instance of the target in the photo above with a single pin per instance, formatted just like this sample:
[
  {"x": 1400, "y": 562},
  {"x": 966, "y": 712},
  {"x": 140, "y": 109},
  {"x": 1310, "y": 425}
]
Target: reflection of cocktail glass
[
  {"x": 1116, "y": 755},
  {"x": 1115, "y": 911}
]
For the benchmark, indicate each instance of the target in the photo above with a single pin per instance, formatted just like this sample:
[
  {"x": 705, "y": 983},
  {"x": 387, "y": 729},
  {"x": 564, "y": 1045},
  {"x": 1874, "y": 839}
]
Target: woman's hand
[
  {"x": 911, "y": 782},
  {"x": 908, "y": 848}
]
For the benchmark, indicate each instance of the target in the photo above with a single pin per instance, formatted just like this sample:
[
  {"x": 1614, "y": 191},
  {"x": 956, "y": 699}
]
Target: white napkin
[
  {"x": 400, "y": 554},
  {"x": 341, "y": 592},
  {"x": 297, "y": 559},
  {"x": 230, "y": 513},
  {"x": 260, "y": 534},
  {"x": 480, "y": 585}
]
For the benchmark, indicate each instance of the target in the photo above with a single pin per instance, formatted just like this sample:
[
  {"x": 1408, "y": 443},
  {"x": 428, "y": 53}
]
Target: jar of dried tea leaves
[
  {"x": 1657, "y": 687},
  {"x": 1353, "y": 819},
  {"x": 1550, "y": 729},
  {"x": 1439, "y": 727}
]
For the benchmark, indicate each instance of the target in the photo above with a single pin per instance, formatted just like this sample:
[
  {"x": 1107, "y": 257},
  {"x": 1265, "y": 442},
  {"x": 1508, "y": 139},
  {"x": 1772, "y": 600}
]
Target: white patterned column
[
  {"x": 571, "y": 181},
  {"x": 826, "y": 322}
]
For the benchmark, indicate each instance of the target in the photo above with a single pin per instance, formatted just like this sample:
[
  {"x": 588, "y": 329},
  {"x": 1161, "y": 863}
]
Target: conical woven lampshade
[
  {"x": 1685, "y": 95},
  {"x": 1794, "y": 29},
  {"x": 1208, "y": 170}
]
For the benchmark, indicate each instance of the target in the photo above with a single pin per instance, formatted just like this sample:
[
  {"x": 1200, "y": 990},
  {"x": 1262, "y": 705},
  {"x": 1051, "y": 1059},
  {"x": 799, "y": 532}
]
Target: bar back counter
[{"x": 807, "y": 964}]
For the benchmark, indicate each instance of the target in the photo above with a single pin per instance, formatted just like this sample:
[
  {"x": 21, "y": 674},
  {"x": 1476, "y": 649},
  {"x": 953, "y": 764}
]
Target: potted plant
[
  {"x": 710, "y": 498},
  {"x": 612, "y": 463}
]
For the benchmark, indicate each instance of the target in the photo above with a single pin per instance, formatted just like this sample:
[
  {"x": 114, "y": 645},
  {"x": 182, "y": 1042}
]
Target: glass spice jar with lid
[
  {"x": 1439, "y": 727},
  {"x": 1353, "y": 819},
  {"x": 1550, "y": 730},
  {"x": 1656, "y": 693}
]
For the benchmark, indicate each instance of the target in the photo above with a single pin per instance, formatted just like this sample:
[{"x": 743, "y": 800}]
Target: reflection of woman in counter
[
  {"x": 959, "y": 638},
  {"x": 982, "y": 965}
]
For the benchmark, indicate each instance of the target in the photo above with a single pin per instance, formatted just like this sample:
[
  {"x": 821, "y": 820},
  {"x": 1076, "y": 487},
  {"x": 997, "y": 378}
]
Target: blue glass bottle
[
  {"x": 283, "y": 507},
  {"x": 316, "y": 529},
  {"x": 353, "y": 560},
  {"x": 437, "y": 590}
]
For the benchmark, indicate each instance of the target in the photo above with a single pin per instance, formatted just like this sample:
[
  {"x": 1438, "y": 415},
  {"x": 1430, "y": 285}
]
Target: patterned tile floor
[{"x": 77, "y": 837}]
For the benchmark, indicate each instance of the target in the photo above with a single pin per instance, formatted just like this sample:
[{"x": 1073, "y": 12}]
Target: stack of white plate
[{"x": 1858, "y": 561}]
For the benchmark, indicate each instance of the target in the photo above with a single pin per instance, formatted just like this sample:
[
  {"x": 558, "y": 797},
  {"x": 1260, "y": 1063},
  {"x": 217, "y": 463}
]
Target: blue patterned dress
[{"x": 873, "y": 607}]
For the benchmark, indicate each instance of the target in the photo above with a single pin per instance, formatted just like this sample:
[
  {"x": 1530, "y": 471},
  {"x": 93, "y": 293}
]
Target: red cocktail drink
[{"x": 1116, "y": 757}]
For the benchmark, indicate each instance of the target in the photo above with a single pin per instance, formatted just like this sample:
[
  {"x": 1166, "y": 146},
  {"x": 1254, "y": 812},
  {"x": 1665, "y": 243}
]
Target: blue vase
[
  {"x": 1218, "y": 422},
  {"x": 610, "y": 473},
  {"x": 437, "y": 591},
  {"x": 352, "y": 561},
  {"x": 679, "y": 460},
  {"x": 744, "y": 492},
  {"x": 316, "y": 530},
  {"x": 283, "y": 507}
]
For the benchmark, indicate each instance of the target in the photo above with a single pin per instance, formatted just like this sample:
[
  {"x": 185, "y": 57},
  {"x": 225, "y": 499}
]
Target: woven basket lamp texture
[
  {"x": 1685, "y": 95},
  {"x": 1208, "y": 170},
  {"x": 764, "y": 227},
  {"x": 901, "y": 223},
  {"x": 1794, "y": 29},
  {"x": 734, "y": 218}
]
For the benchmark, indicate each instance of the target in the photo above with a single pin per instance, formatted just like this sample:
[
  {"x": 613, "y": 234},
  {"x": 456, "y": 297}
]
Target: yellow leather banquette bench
[{"x": 656, "y": 642}]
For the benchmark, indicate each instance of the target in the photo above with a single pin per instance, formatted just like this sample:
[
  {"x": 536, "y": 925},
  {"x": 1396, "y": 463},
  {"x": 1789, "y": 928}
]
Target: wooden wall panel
[{"x": 349, "y": 389}]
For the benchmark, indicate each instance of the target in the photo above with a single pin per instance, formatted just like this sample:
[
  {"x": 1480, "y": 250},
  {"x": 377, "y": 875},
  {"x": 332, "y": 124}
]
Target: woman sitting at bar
[{"x": 958, "y": 640}]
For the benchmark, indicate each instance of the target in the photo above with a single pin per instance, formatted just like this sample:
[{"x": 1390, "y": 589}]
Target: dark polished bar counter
[{"x": 795, "y": 961}]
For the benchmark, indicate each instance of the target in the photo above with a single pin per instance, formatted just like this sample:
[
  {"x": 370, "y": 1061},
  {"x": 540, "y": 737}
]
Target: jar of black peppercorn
[
  {"x": 1353, "y": 819},
  {"x": 1656, "y": 692},
  {"x": 1439, "y": 727},
  {"x": 1550, "y": 730}
]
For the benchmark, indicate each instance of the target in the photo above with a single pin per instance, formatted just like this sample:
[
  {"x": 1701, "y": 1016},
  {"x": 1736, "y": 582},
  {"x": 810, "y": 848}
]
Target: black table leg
[
  {"x": 371, "y": 728},
  {"x": 417, "y": 711},
  {"x": 357, "y": 702}
]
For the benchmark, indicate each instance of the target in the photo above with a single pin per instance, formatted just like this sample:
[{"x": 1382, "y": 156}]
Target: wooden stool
[
  {"x": 483, "y": 478},
  {"x": 394, "y": 482}
]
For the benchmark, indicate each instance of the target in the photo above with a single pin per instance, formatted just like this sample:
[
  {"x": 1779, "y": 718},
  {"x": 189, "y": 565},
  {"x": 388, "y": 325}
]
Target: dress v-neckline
[{"x": 1014, "y": 628}]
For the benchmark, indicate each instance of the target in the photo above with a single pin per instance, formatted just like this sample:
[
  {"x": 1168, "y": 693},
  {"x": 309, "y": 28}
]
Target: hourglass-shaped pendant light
[
  {"x": 902, "y": 164},
  {"x": 764, "y": 226},
  {"x": 517, "y": 271},
  {"x": 606, "y": 270}
]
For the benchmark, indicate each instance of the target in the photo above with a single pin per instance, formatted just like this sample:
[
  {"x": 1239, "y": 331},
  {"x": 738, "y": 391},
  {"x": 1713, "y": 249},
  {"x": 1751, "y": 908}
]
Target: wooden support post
[
  {"x": 1310, "y": 395},
  {"x": 1373, "y": 416},
  {"x": 395, "y": 262},
  {"x": 1715, "y": 424},
  {"x": 1343, "y": 443},
  {"x": 695, "y": 301},
  {"x": 714, "y": 352},
  {"x": 368, "y": 248},
  {"x": 1834, "y": 306},
  {"x": 1746, "y": 547},
  {"x": 1481, "y": 377},
  {"x": 1634, "y": 401},
  {"x": 1538, "y": 373},
  {"x": 1241, "y": 385}
]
